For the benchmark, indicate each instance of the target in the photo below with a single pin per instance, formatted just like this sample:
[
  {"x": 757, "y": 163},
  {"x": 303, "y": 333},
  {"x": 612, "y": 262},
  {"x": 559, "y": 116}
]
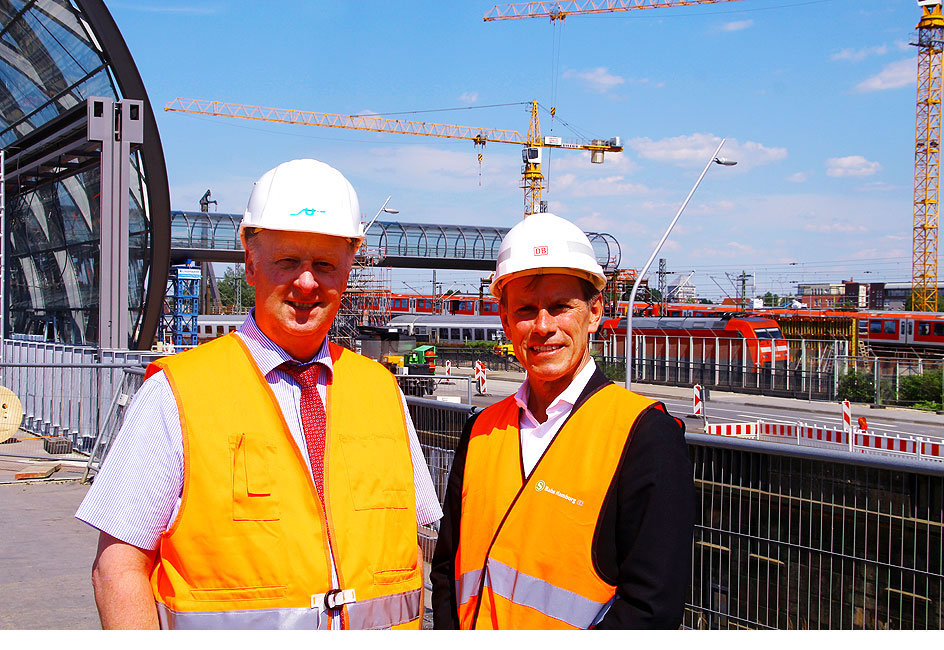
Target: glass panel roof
[{"x": 48, "y": 64}]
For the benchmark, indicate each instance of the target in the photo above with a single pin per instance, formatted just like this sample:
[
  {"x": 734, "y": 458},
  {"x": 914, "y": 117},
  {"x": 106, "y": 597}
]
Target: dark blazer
[{"x": 643, "y": 539}]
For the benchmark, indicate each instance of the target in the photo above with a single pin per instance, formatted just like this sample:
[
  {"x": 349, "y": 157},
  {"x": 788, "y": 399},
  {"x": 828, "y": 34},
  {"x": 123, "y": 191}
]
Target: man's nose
[
  {"x": 544, "y": 322},
  {"x": 306, "y": 280}
]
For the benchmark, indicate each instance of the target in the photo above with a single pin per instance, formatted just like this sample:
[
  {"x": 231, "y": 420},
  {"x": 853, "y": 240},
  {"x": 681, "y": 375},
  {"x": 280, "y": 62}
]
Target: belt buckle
[{"x": 332, "y": 600}]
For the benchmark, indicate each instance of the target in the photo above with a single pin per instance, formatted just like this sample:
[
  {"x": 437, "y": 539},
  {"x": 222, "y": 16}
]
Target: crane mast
[{"x": 927, "y": 157}]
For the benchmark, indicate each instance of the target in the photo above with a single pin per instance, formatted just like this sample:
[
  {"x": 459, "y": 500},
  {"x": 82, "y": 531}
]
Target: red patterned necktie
[{"x": 313, "y": 417}]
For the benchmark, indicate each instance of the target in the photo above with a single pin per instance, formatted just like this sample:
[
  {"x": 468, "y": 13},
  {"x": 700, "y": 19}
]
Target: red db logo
[{"x": 540, "y": 250}]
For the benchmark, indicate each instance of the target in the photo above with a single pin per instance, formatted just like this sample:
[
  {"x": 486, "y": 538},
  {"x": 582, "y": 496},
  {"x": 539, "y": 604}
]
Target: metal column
[{"x": 118, "y": 126}]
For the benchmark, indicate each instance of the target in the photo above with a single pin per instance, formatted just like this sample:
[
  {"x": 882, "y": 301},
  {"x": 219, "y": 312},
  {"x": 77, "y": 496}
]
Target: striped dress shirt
[{"x": 136, "y": 494}]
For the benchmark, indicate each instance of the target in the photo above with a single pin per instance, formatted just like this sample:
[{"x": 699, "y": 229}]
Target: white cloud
[
  {"x": 695, "y": 149},
  {"x": 799, "y": 177},
  {"x": 575, "y": 185},
  {"x": 424, "y": 167},
  {"x": 598, "y": 80},
  {"x": 894, "y": 75},
  {"x": 469, "y": 97},
  {"x": 855, "y": 55},
  {"x": 737, "y": 25},
  {"x": 834, "y": 227},
  {"x": 851, "y": 166}
]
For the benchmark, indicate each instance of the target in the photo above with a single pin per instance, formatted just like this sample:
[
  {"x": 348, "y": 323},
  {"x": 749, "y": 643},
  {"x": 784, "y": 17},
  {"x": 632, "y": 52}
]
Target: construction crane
[
  {"x": 927, "y": 157},
  {"x": 532, "y": 177},
  {"x": 560, "y": 10}
]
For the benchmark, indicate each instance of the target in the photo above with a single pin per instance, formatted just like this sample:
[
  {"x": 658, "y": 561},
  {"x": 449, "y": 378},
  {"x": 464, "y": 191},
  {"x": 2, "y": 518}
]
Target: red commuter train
[{"x": 725, "y": 340}]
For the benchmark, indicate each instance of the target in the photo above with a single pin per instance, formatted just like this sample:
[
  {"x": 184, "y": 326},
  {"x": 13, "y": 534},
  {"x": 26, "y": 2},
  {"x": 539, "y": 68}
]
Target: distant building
[
  {"x": 823, "y": 295},
  {"x": 683, "y": 293},
  {"x": 896, "y": 295}
]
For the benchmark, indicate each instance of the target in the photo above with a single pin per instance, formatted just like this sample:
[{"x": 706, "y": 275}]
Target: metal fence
[
  {"x": 812, "y": 539},
  {"x": 65, "y": 390}
]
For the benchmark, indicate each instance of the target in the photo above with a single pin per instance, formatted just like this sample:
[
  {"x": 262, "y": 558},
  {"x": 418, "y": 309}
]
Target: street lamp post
[{"x": 632, "y": 296}]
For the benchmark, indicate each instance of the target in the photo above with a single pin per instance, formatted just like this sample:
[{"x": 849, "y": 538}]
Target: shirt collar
[
  {"x": 568, "y": 396},
  {"x": 268, "y": 356}
]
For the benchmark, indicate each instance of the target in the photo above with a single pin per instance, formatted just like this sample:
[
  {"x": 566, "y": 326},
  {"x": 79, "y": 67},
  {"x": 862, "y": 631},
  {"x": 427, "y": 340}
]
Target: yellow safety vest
[
  {"x": 524, "y": 559},
  {"x": 249, "y": 547}
]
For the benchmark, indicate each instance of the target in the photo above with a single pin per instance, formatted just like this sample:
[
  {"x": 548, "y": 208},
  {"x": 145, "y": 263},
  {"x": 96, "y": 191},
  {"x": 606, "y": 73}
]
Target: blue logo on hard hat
[{"x": 309, "y": 212}]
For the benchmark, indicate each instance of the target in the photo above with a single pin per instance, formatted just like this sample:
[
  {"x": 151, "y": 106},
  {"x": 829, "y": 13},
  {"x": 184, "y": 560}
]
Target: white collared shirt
[{"x": 536, "y": 436}]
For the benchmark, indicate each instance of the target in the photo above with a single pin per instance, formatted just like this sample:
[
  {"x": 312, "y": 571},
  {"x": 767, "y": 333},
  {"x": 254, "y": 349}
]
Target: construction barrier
[
  {"x": 741, "y": 429},
  {"x": 805, "y": 435},
  {"x": 480, "y": 378},
  {"x": 697, "y": 406}
]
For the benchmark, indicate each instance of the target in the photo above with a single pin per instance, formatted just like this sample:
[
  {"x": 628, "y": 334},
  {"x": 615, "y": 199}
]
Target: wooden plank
[{"x": 37, "y": 471}]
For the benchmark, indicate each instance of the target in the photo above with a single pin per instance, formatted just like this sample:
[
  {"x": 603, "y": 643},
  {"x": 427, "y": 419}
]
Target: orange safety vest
[
  {"x": 524, "y": 558},
  {"x": 250, "y": 545}
]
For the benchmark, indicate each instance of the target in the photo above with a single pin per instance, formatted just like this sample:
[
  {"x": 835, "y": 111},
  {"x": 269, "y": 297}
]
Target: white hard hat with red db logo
[
  {"x": 304, "y": 196},
  {"x": 544, "y": 243}
]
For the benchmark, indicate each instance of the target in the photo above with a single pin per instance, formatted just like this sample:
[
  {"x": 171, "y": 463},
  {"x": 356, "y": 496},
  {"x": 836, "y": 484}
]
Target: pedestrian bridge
[{"x": 214, "y": 237}]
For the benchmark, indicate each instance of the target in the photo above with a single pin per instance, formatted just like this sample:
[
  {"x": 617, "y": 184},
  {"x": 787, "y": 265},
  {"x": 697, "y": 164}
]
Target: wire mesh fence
[{"x": 814, "y": 541}]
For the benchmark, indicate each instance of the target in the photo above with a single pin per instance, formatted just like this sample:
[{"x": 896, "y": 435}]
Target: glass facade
[{"x": 51, "y": 60}]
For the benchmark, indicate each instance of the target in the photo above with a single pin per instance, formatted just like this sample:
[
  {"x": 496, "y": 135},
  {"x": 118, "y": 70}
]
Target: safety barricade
[
  {"x": 740, "y": 429},
  {"x": 805, "y": 435}
]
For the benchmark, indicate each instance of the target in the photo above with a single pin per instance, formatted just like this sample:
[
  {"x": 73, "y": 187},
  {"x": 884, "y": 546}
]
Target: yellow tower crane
[
  {"x": 556, "y": 10},
  {"x": 532, "y": 177},
  {"x": 927, "y": 157}
]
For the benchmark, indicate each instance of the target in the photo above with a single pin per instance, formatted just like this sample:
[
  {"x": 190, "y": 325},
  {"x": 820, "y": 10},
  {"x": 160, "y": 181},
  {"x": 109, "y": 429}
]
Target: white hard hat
[
  {"x": 544, "y": 243},
  {"x": 304, "y": 196}
]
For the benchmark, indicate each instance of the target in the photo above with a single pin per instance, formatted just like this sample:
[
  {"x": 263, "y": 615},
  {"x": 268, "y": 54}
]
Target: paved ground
[{"x": 47, "y": 554}]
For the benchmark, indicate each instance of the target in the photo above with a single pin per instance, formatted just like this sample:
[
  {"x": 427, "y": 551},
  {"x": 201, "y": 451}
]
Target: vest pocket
[
  {"x": 379, "y": 469},
  {"x": 273, "y": 592},
  {"x": 254, "y": 497}
]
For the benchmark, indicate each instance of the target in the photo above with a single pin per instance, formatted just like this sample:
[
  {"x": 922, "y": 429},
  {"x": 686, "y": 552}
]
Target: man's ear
[
  {"x": 596, "y": 313},
  {"x": 250, "y": 267}
]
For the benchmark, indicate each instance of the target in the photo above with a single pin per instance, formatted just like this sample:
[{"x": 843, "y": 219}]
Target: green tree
[
  {"x": 771, "y": 300},
  {"x": 857, "y": 387},
  {"x": 925, "y": 387},
  {"x": 227, "y": 288}
]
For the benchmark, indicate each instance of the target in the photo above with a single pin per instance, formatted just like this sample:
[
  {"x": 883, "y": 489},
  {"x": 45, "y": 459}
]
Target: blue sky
[{"x": 815, "y": 97}]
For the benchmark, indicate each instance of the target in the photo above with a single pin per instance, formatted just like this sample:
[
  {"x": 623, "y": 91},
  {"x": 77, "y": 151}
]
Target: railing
[
  {"x": 64, "y": 388},
  {"x": 799, "y": 538}
]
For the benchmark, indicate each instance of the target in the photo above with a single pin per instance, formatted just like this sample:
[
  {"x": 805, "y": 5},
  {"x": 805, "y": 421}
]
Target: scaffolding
[
  {"x": 366, "y": 302},
  {"x": 181, "y": 306}
]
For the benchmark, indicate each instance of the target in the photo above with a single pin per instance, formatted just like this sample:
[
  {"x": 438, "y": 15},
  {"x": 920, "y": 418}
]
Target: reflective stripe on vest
[
  {"x": 289, "y": 618},
  {"x": 373, "y": 614},
  {"x": 385, "y": 611},
  {"x": 467, "y": 586},
  {"x": 522, "y": 589}
]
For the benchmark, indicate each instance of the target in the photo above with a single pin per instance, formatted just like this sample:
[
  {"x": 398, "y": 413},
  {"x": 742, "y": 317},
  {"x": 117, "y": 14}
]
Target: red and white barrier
[
  {"x": 741, "y": 429},
  {"x": 448, "y": 368},
  {"x": 846, "y": 415},
  {"x": 480, "y": 384},
  {"x": 855, "y": 440},
  {"x": 697, "y": 406}
]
